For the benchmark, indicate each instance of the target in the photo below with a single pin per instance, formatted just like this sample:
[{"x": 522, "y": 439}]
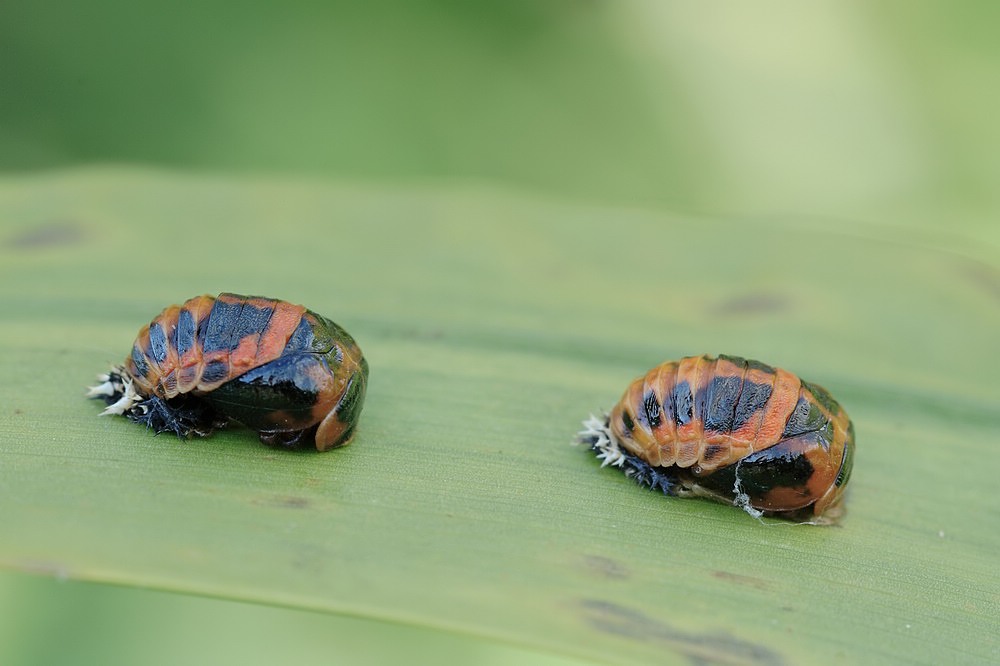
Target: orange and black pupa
[
  {"x": 734, "y": 430},
  {"x": 292, "y": 375}
]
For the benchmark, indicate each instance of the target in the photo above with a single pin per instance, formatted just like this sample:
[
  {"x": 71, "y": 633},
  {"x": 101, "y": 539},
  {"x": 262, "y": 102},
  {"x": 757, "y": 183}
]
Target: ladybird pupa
[
  {"x": 734, "y": 430},
  {"x": 292, "y": 375}
]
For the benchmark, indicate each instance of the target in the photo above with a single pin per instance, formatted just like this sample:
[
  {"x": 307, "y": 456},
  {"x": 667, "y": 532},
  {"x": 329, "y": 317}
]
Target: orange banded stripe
[
  {"x": 721, "y": 395},
  {"x": 690, "y": 433},
  {"x": 280, "y": 327},
  {"x": 746, "y": 433},
  {"x": 661, "y": 383},
  {"x": 189, "y": 341},
  {"x": 783, "y": 398}
]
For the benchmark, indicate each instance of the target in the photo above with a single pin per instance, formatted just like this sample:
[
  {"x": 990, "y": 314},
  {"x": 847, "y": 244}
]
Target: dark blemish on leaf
[
  {"x": 291, "y": 502},
  {"x": 283, "y": 501},
  {"x": 605, "y": 567},
  {"x": 760, "y": 303},
  {"x": 699, "y": 648},
  {"x": 739, "y": 579},
  {"x": 50, "y": 234}
]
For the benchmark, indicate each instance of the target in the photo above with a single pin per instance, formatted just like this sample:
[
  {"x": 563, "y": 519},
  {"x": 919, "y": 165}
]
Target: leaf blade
[{"x": 461, "y": 504}]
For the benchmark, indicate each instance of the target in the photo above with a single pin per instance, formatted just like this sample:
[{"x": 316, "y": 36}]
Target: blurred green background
[
  {"x": 864, "y": 110},
  {"x": 878, "y": 117}
]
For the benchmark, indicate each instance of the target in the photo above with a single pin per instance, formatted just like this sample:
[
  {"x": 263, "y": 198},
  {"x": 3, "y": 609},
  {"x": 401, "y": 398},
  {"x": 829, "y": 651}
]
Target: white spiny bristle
[
  {"x": 596, "y": 433},
  {"x": 105, "y": 388},
  {"x": 129, "y": 398}
]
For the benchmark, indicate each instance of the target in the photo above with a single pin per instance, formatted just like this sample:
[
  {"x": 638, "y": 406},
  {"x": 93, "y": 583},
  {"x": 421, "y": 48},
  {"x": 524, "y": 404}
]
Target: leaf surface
[{"x": 494, "y": 323}]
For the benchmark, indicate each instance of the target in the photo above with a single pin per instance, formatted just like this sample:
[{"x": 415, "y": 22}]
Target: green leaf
[
  {"x": 97, "y": 625},
  {"x": 493, "y": 324}
]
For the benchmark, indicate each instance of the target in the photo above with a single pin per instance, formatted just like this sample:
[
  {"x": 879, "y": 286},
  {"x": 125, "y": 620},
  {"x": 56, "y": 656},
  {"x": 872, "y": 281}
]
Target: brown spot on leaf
[
  {"x": 605, "y": 567},
  {"x": 283, "y": 501},
  {"x": 291, "y": 502},
  {"x": 739, "y": 579},
  {"x": 49, "y": 234},
  {"x": 713, "y": 648}
]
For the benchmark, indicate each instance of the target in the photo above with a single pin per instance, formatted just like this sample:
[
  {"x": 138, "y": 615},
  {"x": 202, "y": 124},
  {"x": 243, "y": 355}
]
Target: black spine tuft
[
  {"x": 654, "y": 478},
  {"x": 184, "y": 416}
]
